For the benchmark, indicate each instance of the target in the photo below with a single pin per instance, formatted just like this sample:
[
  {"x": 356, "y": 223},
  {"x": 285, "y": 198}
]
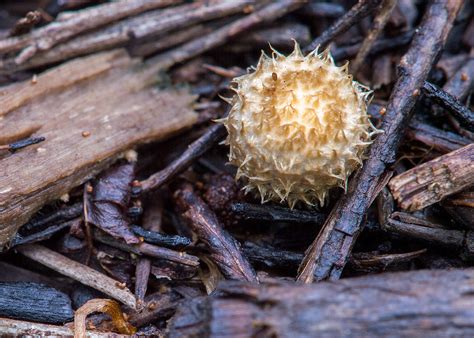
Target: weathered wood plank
[{"x": 108, "y": 96}]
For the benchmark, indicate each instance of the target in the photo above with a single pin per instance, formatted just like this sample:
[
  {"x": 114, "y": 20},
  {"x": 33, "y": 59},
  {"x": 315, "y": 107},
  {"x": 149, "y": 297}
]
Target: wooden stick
[
  {"x": 79, "y": 272},
  {"x": 195, "y": 150},
  {"x": 19, "y": 328},
  {"x": 74, "y": 23},
  {"x": 355, "y": 14},
  {"x": 223, "y": 34},
  {"x": 327, "y": 255},
  {"x": 380, "y": 20},
  {"x": 449, "y": 102},
  {"x": 133, "y": 29},
  {"x": 432, "y": 181}
]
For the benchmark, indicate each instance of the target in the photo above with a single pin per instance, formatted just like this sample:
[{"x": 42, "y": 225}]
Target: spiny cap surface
[{"x": 298, "y": 127}]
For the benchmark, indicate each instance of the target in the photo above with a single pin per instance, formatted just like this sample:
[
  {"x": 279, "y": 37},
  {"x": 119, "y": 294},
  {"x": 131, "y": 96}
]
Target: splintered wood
[
  {"x": 90, "y": 110},
  {"x": 432, "y": 181}
]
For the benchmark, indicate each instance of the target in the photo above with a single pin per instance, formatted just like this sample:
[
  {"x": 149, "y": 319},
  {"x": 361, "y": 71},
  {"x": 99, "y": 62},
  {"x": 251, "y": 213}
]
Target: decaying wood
[
  {"x": 432, "y": 181},
  {"x": 223, "y": 34},
  {"x": 19, "y": 328},
  {"x": 436, "y": 303},
  {"x": 35, "y": 302},
  {"x": 73, "y": 23},
  {"x": 224, "y": 249},
  {"x": 448, "y": 101},
  {"x": 79, "y": 272},
  {"x": 90, "y": 110},
  {"x": 133, "y": 29},
  {"x": 327, "y": 255}
]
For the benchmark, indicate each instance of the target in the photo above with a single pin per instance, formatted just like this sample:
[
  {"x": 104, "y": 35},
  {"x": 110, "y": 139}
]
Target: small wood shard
[
  {"x": 107, "y": 94},
  {"x": 432, "y": 181},
  {"x": 79, "y": 272}
]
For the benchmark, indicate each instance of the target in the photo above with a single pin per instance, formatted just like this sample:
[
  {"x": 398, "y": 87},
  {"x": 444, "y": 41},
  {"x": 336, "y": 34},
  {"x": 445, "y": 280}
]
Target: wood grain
[
  {"x": 107, "y": 95},
  {"x": 432, "y": 181}
]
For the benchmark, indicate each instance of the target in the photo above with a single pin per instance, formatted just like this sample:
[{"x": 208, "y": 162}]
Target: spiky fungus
[{"x": 298, "y": 127}]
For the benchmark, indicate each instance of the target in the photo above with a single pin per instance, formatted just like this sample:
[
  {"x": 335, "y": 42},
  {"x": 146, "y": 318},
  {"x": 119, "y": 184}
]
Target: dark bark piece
[
  {"x": 149, "y": 250},
  {"x": 107, "y": 206},
  {"x": 90, "y": 110},
  {"x": 224, "y": 249},
  {"x": 34, "y": 302},
  {"x": 355, "y": 14},
  {"x": 416, "y": 303},
  {"x": 12, "y": 147},
  {"x": 64, "y": 214},
  {"x": 323, "y": 10},
  {"x": 326, "y": 257},
  {"x": 380, "y": 45},
  {"x": 412, "y": 227},
  {"x": 168, "y": 241},
  {"x": 276, "y": 213},
  {"x": 432, "y": 181},
  {"x": 437, "y": 139},
  {"x": 43, "y": 234},
  {"x": 449, "y": 102}
]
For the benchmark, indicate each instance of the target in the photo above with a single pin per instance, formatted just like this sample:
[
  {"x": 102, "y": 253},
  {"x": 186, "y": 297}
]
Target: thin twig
[
  {"x": 355, "y": 14},
  {"x": 195, "y": 150},
  {"x": 449, "y": 102},
  {"x": 12, "y": 147},
  {"x": 380, "y": 20},
  {"x": 327, "y": 255},
  {"x": 276, "y": 213},
  {"x": 79, "y": 272}
]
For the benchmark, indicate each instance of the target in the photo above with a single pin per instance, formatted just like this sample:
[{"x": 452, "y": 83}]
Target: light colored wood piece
[
  {"x": 108, "y": 96},
  {"x": 432, "y": 181},
  {"x": 79, "y": 272}
]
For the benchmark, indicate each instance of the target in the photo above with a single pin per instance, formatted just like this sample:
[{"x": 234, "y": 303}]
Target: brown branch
[
  {"x": 386, "y": 8},
  {"x": 224, "y": 249},
  {"x": 432, "y": 181},
  {"x": 79, "y": 272},
  {"x": 77, "y": 22},
  {"x": 327, "y": 255},
  {"x": 355, "y": 14},
  {"x": 406, "y": 304},
  {"x": 133, "y": 29},
  {"x": 195, "y": 150},
  {"x": 223, "y": 34}
]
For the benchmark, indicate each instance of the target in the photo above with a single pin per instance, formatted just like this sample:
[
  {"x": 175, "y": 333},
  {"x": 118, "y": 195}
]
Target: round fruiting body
[{"x": 298, "y": 127}]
